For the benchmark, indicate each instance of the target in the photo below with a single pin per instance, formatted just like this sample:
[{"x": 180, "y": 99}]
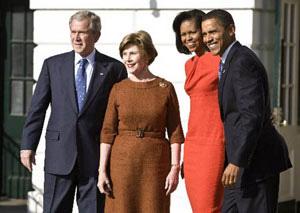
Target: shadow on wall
[{"x": 153, "y": 6}]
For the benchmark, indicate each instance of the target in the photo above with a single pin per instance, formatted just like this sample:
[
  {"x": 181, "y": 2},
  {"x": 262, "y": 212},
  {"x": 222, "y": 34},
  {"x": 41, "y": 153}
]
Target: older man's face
[{"x": 83, "y": 39}]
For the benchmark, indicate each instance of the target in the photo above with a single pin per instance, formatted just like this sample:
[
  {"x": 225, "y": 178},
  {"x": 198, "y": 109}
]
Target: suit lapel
[
  {"x": 67, "y": 70},
  {"x": 99, "y": 74},
  {"x": 225, "y": 72}
]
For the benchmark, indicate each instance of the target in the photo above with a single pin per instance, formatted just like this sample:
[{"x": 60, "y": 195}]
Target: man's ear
[
  {"x": 97, "y": 36},
  {"x": 231, "y": 30}
]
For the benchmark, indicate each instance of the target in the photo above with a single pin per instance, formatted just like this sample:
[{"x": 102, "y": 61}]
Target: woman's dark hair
[{"x": 194, "y": 14}]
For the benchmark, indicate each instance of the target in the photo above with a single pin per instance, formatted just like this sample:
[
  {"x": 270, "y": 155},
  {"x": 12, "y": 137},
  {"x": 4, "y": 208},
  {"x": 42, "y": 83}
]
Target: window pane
[
  {"x": 29, "y": 27},
  {"x": 299, "y": 86},
  {"x": 17, "y": 98},
  {"x": 18, "y": 25},
  {"x": 284, "y": 65},
  {"x": 291, "y": 62},
  {"x": 29, "y": 85},
  {"x": 29, "y": 60},
  {"x": 284, "y": 87},
  {"x": 285, "y": 23},
  {"x": 17, "y": 60},
  {"x": 290, "y": 106},
  {"x": 292, "y": 17},
  {"x": 282, "y": 103}
]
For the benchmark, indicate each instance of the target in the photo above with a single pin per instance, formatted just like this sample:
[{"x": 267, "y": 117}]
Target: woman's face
[
  {"x": 134, "y": 60},
  {"x": 191, "y": 36}
]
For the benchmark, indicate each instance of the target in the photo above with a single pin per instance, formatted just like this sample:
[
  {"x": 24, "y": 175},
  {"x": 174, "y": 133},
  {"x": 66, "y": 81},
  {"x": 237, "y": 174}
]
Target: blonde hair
[{"x": 143, "y": 40}]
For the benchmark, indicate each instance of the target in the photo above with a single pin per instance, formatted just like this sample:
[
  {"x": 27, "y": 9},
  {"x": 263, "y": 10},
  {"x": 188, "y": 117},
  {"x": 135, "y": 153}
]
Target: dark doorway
[{"x": 16, "y": 81}]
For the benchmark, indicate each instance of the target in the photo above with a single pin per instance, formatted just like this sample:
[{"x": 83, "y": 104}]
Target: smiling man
[
  {"x": 76, "y": 84},
  {"x": 255, "y": 152}
]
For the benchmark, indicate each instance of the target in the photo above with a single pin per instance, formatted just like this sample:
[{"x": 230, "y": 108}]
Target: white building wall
[{"x": 119, "y": 17}]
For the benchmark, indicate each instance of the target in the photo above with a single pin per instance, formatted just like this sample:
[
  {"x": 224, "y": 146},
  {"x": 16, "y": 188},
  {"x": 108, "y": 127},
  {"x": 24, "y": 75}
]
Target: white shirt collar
[
  {"x": 224, "y": 56},
  {"x": 90, "y": 57}
]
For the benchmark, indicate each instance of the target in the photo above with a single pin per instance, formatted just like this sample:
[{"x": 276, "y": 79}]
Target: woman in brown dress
[{"x": 139, "y": 167}]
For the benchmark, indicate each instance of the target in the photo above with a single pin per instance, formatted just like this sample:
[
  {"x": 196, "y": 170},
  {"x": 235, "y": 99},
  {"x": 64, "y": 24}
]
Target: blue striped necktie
[
  {"x": 81, "y": 83},
  {"x": 220, "y": 70}
]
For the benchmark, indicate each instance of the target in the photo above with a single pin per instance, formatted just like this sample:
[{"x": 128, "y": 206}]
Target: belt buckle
[{"x": 140, "y": 133}]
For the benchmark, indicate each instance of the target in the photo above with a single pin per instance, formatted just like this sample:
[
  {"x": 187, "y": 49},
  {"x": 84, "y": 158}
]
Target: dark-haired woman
[{"x": 204, "y": 143}]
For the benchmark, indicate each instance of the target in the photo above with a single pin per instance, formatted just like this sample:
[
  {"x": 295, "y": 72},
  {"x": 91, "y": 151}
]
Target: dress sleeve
[
  {"x": 174, "y": 127},
  {"x": 110, "y": 123}
]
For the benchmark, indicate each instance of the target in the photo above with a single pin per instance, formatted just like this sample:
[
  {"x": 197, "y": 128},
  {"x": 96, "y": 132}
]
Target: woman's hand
[
  {"x": 104, "y": 184},
  {"x": 172, "y": 179}
]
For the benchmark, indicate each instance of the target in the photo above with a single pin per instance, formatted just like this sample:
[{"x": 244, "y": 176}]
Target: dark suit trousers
[
  {"x": 261, "y": 197},
  {"x": 59, "y": 192}
]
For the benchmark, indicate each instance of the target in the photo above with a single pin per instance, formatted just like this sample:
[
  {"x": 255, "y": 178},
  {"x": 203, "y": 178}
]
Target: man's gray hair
[{"x": 94, "y": 20}]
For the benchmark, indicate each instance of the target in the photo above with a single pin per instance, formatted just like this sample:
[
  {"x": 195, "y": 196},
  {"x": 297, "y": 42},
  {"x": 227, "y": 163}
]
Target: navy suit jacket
[
  {"x": 71, "y": 136},
  {"x": 252, "y": 142}
]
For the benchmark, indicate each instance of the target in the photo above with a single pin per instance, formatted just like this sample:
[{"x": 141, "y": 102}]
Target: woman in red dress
[{"x": 204, "y": 143}]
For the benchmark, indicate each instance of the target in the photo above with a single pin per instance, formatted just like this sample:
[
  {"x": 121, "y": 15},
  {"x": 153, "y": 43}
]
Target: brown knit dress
[{"x": 137, "y": 116}]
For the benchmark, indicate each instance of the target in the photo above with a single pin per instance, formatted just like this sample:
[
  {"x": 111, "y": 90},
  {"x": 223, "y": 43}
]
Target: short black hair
[
  {"x": 194, "y": 14},
  {"x": 224, "y": 17}
]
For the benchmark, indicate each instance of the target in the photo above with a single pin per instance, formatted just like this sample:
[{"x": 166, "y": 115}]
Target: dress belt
[{"x": 141, "y": 133}]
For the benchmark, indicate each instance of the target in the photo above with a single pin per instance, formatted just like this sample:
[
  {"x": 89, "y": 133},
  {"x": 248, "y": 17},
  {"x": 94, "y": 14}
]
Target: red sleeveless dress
[{"x": 204, "y": 144}]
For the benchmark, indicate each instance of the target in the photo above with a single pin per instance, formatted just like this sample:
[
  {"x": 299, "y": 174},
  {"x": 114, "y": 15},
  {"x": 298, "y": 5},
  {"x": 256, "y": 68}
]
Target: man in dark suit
[
  {"x": 255, "y": 152},
  {"x": 76, "y": 84}
]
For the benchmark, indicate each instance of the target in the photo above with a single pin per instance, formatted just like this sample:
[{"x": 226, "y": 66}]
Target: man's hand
[
  {"x": 27, "y": 158},
  {"x": 230, "y": 174}
]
